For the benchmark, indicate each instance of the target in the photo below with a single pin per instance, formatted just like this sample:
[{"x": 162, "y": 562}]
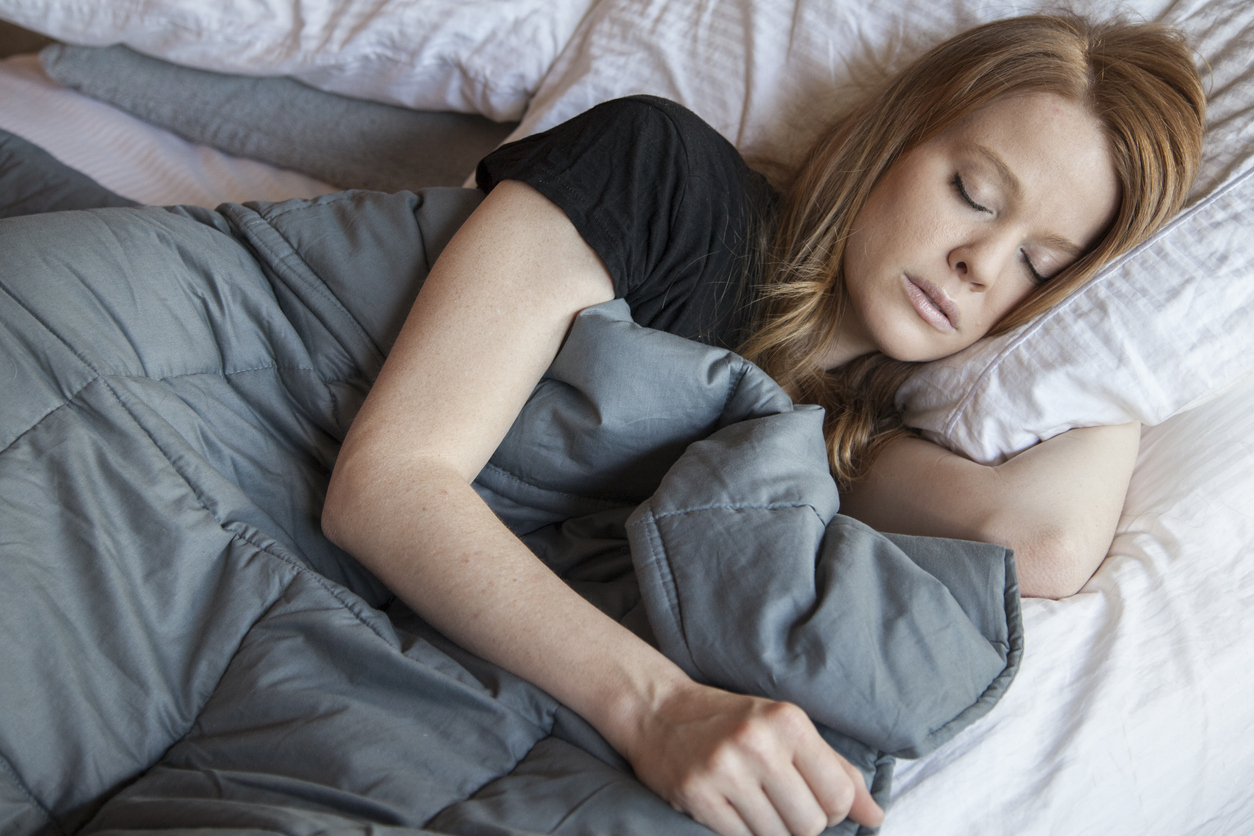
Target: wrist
[{"x": 629, "y": 717}]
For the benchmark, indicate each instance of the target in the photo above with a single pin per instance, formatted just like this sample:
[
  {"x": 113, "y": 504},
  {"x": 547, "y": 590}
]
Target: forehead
[{"x": 1028, "y": 114}]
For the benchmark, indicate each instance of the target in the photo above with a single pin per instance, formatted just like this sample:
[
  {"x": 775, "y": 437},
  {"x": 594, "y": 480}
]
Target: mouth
[{"x": 932, "y": 304}]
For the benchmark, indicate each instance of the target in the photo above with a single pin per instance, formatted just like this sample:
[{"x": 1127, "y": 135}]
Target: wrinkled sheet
[{"x": 184, "y": 648}]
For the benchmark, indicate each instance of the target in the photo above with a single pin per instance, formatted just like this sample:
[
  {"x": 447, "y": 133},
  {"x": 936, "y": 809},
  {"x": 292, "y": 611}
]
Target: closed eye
[
  {"x": 1027, "y": 262},
  {"x": 966, "y": 196},
  {"x": 958, "y": 185}
]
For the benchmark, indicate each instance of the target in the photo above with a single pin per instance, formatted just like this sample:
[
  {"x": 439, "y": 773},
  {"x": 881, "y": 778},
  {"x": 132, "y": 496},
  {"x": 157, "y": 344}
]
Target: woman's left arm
[{"x": 1056, "y": 504}]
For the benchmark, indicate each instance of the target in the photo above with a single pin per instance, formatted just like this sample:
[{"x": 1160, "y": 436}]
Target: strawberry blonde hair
[{"x": 1138, "y": 79}]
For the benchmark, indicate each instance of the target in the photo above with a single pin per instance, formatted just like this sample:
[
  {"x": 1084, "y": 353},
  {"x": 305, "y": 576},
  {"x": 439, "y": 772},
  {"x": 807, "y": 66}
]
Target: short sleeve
[{"x": 661, "y": 196}]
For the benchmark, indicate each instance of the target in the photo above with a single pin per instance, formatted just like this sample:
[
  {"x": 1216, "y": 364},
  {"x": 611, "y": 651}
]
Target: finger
[
  {"x": 794, "y": 802},
  {"x": 720, "y": 816},
  {"x": 837, "y": 785},
  {"x": 758, "y": 813},
  {"x": 864, "y": 810}
]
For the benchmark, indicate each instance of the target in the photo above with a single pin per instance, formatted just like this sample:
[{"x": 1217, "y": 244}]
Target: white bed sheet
[
  {"x": 129, "y": 156},
  {"x": 1131, "y": 713}
]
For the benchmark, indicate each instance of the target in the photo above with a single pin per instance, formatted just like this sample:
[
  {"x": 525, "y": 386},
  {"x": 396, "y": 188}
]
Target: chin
[{"x": 914, "y": 351}]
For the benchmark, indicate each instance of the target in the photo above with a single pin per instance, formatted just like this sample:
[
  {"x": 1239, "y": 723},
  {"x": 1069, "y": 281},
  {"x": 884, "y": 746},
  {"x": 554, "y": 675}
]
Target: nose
[{"x": 978, "y": 261}]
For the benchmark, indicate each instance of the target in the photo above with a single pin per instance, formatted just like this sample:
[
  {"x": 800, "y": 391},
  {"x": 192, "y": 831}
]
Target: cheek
[
  {"x": 1017, "y": 290},
  {"x": 1011, "y": 293}
]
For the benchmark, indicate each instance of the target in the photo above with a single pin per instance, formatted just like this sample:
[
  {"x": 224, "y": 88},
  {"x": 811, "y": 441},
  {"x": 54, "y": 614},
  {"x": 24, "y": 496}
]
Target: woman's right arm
[
  {"x": 1056, "y": 504},
  {"x": 487, "y": 323}
]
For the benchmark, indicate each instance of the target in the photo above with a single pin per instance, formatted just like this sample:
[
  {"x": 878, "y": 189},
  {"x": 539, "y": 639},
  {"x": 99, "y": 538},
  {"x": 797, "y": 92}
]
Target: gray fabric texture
[
  {"x": 350, "y": 143},
  {"x": 184, "y": 649},
  {"x": 32, "y": 181}
]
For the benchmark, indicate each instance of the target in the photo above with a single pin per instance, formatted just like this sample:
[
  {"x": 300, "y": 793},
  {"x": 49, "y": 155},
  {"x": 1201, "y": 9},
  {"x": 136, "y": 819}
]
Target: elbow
[
  {"x": 374, "y": 499},
  {"x": 1057, "y": 563},
  {"x": 351, "y": 505},
  {"x": 337, "y": 511}
]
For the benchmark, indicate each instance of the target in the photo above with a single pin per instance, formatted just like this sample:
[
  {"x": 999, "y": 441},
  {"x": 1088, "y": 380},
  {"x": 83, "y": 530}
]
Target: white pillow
[
  {"x": 476, "y": 56},
  {"x": 1151, "y": 335}
]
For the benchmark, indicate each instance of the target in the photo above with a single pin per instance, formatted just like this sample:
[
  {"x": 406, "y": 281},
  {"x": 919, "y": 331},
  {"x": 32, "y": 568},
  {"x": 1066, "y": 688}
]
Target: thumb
[{"x": 864, "y": 810}]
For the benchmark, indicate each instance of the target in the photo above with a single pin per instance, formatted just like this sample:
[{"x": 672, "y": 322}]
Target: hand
[{"x": 747, "y": 765}]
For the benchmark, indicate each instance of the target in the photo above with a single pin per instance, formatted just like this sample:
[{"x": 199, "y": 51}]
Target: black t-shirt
[{"x": 664, "y": 200}]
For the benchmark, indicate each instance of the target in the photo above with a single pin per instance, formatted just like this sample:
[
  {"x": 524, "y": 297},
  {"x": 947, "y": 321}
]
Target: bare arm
[
  {"x": 1056, "y": 504},
  {"x": 489, "y": 320}
]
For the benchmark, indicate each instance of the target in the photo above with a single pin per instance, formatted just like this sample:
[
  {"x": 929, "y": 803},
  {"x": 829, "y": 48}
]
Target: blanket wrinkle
[
  {"x": 172, "y": 519},
  {"x": 15, "y": 780},
  {"x": 289, "y": 268}
]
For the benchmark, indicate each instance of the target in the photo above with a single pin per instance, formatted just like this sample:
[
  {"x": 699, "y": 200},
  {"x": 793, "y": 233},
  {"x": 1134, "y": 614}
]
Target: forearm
[
  {"x": 1056, "y": 504},
  {"x": 434, "y": 542},
  {"x": 724, "y": 758}
]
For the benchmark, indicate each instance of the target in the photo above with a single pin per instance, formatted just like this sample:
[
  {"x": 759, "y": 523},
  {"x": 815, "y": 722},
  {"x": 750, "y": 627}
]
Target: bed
[{"x": 1128, "y": 712}]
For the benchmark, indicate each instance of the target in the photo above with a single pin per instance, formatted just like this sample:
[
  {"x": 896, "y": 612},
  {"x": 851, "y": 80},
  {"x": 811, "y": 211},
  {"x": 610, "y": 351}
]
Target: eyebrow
[{"x": 1012, "y": 185}]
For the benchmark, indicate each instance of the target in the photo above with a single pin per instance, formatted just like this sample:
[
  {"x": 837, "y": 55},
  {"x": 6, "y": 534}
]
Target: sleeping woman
[{"x": 973, "y": 191}]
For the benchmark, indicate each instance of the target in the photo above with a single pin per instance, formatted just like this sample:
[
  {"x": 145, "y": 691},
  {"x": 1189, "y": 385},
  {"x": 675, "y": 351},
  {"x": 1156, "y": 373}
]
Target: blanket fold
[
  {"x": 185, "y": 649},
  {"x": 750, "y": 578}
]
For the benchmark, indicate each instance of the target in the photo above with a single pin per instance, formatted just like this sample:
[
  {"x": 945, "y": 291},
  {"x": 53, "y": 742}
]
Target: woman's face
[{"x": 960, "y": 229}]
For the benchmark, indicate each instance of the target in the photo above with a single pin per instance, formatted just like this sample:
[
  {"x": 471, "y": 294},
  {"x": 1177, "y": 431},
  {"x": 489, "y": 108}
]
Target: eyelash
[
  {"x": 967, "y": 199},
  {"x": 966, "y": 196}
]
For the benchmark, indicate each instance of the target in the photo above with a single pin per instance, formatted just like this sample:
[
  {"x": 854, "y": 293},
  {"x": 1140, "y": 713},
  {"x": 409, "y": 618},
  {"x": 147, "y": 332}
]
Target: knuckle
[
  {"x": 694, "y": 795},
  {"x": 688, "y": 790},
  {"x": 761, "y": 746},
  {"x": 814, "y": 825},
  {"x": 790, "y": 719},
  {"x": 721, "y": 757},
  {"x": 842, "y": 800},
  {"x": 752, "y": 735}
]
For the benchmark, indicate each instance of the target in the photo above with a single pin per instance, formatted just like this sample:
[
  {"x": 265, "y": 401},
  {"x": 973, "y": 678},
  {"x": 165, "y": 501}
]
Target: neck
[{"x": 843, "y": 348}]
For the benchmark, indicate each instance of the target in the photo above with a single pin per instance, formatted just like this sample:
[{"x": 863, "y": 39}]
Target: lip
[{"x": 932, "y": 304}]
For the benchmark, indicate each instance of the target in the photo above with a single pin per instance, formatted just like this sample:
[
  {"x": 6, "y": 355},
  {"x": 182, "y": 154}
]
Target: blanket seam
[
  {"x": 296, "y": 564},
  {"x": 1010, "y": 669},
  {"x": 326, "y": 583},
  {"x": 21, "y": 785},
  {"x": 282, "y": 263},
  {"x": 333, "y": 589},
  {"x": 469, "y": 797},
  {"x": 34, "y": 424},
  {"x": 609, "y": 502},
  {"x": 70, "y": 398},
  {"x": 583, "y": 802},
  {"x": 57, "y": 336},
  {"x": 735, "y": 379},
  {"x": 274, "y": 213},
  {"x": 269, "y": 608},
  {"x": 658, "y": 547},
  {"x": 730, "y": 507},
  {"x": 50, "y": 330},
  {"x": 279, "y": 367},
  {"x": 648, "y": 524},
  {"x": 67, "y": 399}
]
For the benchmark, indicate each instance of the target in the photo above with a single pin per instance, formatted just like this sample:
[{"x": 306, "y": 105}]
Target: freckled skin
[{"x": 946, "y": 218}]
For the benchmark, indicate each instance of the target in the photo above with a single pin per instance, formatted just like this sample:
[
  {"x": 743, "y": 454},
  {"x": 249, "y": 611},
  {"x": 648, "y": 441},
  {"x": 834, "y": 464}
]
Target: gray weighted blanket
[{"x": 182, "y": 648}]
